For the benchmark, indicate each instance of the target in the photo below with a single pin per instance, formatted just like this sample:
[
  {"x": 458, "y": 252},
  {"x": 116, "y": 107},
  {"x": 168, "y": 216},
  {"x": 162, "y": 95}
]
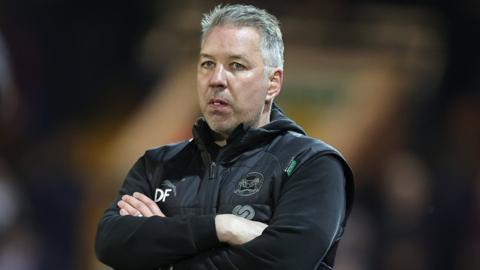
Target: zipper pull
[{"x": 212, "y": 173}]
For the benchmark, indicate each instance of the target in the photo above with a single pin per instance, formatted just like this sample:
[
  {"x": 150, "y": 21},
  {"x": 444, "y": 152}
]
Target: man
[{"x": 250, "y": 190}]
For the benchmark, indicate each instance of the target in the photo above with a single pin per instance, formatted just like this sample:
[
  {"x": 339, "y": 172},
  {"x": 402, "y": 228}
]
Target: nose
[{"x": 219, "y": 77}]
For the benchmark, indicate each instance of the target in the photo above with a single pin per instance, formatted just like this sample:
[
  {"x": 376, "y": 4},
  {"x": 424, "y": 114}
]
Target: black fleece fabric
[{"x": 300, "y": 186}]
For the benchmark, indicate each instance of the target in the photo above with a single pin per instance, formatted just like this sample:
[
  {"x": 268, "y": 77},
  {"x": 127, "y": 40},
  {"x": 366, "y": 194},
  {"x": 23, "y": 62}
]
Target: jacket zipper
[
  {"x": 212, "y": 171},
  {"x": 211, "y": 190}
]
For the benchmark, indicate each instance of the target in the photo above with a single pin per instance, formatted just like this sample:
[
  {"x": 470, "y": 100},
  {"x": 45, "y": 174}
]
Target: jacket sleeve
[
  {"x": 128, "y": 242},
  {"x": 306, "y": 222}
]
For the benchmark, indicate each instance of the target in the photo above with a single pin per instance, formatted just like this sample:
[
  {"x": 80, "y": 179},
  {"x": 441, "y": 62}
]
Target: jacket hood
[
  {"x": 279, "y": 121},
  {"x": 244, "y": 137}
]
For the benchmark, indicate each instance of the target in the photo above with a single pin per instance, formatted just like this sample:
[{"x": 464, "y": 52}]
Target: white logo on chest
[
  {"x": 169, "y": 189},
  {"x": 161, "y": 195}
]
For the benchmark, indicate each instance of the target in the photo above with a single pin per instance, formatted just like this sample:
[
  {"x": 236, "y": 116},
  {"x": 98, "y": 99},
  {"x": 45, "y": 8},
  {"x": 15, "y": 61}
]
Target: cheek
[
  {"x": 202, "y": 87},
  {"x": 253, "y": 91}
]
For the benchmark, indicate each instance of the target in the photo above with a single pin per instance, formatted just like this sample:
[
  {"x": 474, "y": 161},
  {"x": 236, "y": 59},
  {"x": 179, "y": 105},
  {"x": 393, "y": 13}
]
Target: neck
[
  {"x": 265, "y": 116},
  {"x": 220, "y": 139}
]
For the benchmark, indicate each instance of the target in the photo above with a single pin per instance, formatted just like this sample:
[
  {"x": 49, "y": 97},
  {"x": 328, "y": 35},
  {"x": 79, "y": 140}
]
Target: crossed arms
[
  {"x": 230, "y": 229},
  {"x": 306, "y": 222}
]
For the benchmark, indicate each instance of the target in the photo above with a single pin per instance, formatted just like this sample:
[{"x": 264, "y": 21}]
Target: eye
[
  {"x": 207, "y": 64},
  {"x": 237, "y": 66}
]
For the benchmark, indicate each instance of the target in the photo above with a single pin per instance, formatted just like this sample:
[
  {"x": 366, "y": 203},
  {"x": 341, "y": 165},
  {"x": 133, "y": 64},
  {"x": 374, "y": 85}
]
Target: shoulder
[
  {"x": 168, "y": 151},
  {"x": 295, "y": 150},
  {"x": 297, "y": 144}
]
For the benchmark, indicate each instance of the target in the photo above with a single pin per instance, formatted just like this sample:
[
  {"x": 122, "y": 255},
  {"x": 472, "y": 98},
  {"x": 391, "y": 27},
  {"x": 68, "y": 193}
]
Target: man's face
[{"x": 231, "y": 82}]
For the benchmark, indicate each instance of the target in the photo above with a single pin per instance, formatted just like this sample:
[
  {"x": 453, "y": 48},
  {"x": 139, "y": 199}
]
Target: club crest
[{"x": 249, "y": 184}]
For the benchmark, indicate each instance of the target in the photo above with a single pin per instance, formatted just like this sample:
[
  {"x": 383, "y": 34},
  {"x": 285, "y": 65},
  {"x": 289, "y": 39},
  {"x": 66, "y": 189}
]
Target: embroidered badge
[
  {"x": 250, "y": 184},
  {"x": 291, "y": 166},
  {"x": 245, "y": 211}
]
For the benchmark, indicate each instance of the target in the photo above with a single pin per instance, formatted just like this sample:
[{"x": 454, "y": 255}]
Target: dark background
[{"x": 72, "y": 72}]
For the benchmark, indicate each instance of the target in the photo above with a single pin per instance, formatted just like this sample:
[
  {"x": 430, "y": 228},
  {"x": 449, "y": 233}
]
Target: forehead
[{"x": 232, "y": 40}]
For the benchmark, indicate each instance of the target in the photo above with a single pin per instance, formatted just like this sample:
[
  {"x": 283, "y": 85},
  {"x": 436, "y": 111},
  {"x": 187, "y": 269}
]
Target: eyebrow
[
  {"x": 235, "y": 56},
  {"x": 206, "y": 55}
]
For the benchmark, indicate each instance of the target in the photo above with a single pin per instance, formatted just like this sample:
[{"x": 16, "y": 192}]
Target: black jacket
[{"x": 300, "y": 186}]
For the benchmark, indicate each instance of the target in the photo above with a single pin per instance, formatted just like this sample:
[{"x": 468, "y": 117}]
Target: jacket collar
[{"x": 244, "y": 137}]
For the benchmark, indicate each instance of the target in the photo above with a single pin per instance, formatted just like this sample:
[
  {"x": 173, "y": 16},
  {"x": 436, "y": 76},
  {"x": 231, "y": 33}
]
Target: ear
[{"x": 275, "y": 81}]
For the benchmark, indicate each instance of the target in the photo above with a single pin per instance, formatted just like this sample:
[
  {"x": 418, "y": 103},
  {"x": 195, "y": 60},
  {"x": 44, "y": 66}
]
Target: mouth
[
  {"x": 218, "y": 105},
  {"x": 217, "y": 102}
]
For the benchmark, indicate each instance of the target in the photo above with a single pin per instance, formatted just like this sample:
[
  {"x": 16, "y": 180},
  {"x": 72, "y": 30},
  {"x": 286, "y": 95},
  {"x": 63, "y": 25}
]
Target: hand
[
  {"x": 236, "y": 230},
  {"x": 138, "y": 205}
]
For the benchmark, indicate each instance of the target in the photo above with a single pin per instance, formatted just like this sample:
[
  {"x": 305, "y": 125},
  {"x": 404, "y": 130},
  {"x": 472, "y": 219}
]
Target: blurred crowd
[{"x": 71, "y": 72}]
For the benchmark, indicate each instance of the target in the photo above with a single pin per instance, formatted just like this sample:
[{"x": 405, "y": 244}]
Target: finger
[
  {"x": 149, "y": 203},
  {"x": 133, "y": 206},
  {"x": 128, "y": 209},
  {"x": 123, "y": 212},
  {"x": 138, "y": 205}
]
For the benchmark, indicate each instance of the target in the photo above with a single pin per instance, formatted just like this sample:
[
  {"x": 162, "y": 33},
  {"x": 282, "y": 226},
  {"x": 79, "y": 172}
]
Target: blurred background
[{"x": 87, "y": 86}]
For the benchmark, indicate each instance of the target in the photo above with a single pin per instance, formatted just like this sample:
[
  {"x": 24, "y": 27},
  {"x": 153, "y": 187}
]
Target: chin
[{"x": 221, "y": 128}]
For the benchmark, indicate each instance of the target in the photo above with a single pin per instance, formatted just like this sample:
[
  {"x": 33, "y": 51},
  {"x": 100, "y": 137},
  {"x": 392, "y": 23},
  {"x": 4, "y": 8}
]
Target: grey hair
[{"x": 246, "y": 15}]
